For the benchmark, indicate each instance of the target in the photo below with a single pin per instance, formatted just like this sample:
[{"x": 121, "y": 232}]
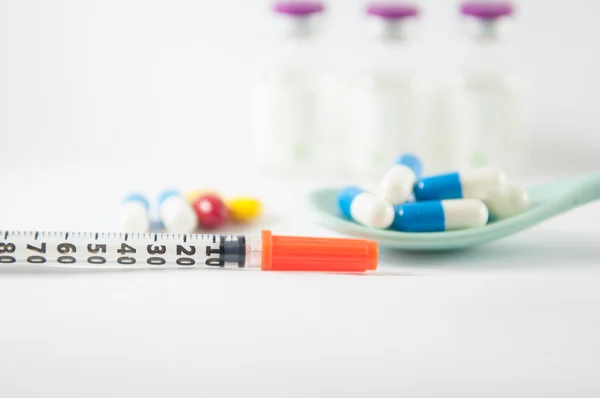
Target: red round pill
[{"x": 210, "y": 210}]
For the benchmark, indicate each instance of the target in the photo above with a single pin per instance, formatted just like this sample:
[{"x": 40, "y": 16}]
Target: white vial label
[
  {"x": 499, "y": 133},
  {"x": 388, "y": 120},
  {"x": 286, "y": 114}
]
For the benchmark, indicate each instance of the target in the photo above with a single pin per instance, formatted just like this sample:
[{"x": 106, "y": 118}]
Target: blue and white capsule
[
  {"x": 397, "y": 184},
  {"x": 467, "y": 184},
  {"x": 133, "y": 214},
  {"x": 365, "y": 208},
  {"x": 176, "y": 213},
  {"x": 440, "y": 215}
]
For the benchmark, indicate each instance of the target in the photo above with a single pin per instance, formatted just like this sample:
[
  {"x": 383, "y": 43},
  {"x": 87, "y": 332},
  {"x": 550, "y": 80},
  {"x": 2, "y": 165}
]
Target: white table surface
[{"x": 518, "y": 317}]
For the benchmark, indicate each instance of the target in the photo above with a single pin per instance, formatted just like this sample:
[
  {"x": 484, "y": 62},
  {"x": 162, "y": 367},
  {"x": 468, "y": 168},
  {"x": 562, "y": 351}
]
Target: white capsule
[
  {"x": 481, "y": 182},
  {"x": 365, "y": 208},
  {"x": 509, "y": 202},
  {"x": 397, "y": 184},
  {"x": 465, "y": 213},
  {"x": 133, "y": 214},
  {"x": 176, "y": 213}
]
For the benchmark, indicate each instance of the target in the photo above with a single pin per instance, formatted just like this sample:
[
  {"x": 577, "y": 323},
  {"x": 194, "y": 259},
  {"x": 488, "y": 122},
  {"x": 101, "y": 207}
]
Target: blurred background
[{"x": 167, "y": 86}]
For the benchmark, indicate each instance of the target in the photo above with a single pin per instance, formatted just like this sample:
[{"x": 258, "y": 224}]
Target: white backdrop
[{"x": 89, "y": 81}]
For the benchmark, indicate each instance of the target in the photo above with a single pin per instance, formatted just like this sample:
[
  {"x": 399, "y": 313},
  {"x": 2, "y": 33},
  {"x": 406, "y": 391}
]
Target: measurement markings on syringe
[{"x": 123, "y": 249}]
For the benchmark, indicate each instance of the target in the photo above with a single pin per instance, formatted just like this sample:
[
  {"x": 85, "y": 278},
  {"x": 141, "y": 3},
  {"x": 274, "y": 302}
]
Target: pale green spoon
[{"x": 547, "y": 200}]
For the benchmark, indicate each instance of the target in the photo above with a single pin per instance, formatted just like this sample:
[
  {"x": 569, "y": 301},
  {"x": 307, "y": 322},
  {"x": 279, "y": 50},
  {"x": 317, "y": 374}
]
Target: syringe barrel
[{"x": 122, "y": 250}]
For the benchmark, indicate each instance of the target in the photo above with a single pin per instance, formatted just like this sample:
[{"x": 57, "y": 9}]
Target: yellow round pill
[
  {"x": 244, "y": 208},
  {"x": 197, "y": 192}
]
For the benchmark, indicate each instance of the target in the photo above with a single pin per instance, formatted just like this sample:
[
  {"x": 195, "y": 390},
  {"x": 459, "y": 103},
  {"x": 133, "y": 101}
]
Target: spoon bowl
[{"x": 547, "y": 201}]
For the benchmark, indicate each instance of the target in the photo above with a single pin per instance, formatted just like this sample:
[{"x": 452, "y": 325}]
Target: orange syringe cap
[{"x": 297, "y": 253}]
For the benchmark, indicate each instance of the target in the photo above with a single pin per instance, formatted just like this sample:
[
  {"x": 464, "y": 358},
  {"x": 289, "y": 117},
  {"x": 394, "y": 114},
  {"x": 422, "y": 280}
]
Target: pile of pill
[
  {"x": 405, "y": 201},
  {"x": 186, "y": 214}
]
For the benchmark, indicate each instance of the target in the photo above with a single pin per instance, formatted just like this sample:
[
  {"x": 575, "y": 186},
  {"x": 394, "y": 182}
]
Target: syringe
[{"x": 166, "y": 250}]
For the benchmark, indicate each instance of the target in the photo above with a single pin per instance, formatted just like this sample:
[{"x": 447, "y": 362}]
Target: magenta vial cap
[
  {"x": 298, "y": 8},
  {"x": 392, "y": 10},
  {"x": 487, "y": 10}
]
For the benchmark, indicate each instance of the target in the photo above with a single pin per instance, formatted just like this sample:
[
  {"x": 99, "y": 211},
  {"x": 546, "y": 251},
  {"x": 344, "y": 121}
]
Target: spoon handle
[{"x": 584, "y": 189}]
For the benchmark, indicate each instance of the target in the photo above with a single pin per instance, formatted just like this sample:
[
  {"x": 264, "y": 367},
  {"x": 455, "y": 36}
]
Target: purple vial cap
[
  {"x": 299, "y": 8},
  {"x": 392, "y": 10},
  {"x": 487, "y": 10}
]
